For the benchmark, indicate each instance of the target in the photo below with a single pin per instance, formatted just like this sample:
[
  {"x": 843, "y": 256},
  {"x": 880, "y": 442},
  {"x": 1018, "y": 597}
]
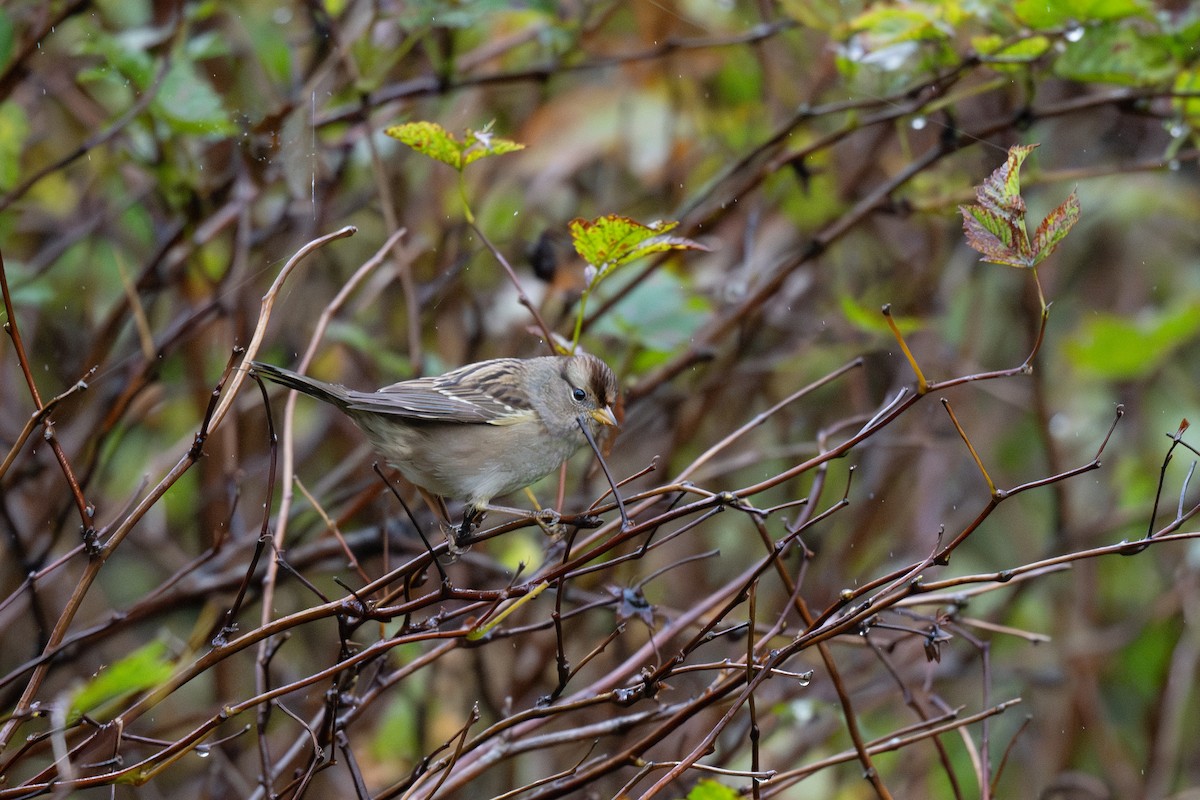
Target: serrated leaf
[
  {"x": 431, "y": 139},
  {"x": 608, "y": 242},
  {"x": 1054, "y": 228},
  {"x": 995, "y": 238},
  {"x": 1001, "y": 192},
  {"x": 996, "y": 226}
]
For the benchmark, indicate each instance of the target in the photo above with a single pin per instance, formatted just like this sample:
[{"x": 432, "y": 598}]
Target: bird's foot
[
  {"x": 550, "y": 521},
  {"x": 459, "y": 538}
]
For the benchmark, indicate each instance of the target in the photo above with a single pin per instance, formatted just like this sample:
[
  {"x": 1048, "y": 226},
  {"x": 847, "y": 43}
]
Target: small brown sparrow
[{"x": 479, "y": 431}]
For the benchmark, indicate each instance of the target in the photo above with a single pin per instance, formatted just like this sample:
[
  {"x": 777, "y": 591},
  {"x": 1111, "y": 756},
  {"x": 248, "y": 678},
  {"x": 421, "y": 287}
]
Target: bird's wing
[{"x": 476, "y": 393}]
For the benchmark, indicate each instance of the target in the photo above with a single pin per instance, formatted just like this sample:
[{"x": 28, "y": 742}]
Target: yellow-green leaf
[
  {"x": 1187, "y": 84},
  {"x": 431, "y": 139},
  {"x": 1057, "y": 13},
  {"x": 144, "y": 668},
  {"x": 890, "y": 24},
  {"x": 436, "y": 142},
  {"x": 995, "y": 48},
  {"x": 608, "y": 242},
  {"x": 711, "y": 790}
]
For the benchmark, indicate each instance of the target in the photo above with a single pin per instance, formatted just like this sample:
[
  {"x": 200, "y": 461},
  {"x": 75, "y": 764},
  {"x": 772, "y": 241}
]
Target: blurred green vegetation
[{"x": 159, "y": 163}]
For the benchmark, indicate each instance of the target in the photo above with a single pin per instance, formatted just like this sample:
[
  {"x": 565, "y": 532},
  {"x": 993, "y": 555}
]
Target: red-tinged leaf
[
  {"x": 1055, "y": 227},
  {"x": 1001, "y": 213},
  {"x": 608, "y": 242},
  {"x": 1001, "y": 192},
  {"x": 996, "y": 226},
  {"x": 995, "y": 237}
]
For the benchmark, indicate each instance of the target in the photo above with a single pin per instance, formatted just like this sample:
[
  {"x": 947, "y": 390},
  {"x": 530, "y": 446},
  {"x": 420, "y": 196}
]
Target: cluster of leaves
[{"x": 605, "y": 243}]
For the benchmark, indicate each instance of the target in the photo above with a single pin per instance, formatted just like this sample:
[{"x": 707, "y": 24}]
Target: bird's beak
[{"x": 605, "y": 416}]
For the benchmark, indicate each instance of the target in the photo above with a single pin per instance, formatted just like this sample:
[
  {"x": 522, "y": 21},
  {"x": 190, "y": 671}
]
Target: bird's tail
[{"x": 328, "y": 392}]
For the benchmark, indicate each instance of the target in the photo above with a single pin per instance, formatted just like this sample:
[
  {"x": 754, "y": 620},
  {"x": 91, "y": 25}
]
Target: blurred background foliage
[{"x": 160, "y": 161}]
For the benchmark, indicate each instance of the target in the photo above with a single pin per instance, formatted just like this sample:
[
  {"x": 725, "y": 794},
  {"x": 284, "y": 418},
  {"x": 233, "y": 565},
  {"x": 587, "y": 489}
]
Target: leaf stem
[
  {"x": 583, "y": 298},
  {"x": 462, "y": 193}
]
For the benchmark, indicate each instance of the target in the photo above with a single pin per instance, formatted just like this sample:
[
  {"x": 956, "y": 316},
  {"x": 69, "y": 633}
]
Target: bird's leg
[
  {"x": 472, "y": 517},
  {"x": 546, "y": 518}
]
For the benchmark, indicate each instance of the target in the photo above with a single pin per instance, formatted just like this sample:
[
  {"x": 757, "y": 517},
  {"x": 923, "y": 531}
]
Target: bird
[{"x": 479, "y": 431}]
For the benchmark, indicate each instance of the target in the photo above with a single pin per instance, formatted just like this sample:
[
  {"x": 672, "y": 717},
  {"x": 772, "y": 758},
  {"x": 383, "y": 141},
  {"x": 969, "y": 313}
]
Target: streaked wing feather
[{"x": 456, "y": 396}]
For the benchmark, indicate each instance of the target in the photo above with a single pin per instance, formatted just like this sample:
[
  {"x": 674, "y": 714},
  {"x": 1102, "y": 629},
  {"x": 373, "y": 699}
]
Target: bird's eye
[{"x": 579, "y": 394}]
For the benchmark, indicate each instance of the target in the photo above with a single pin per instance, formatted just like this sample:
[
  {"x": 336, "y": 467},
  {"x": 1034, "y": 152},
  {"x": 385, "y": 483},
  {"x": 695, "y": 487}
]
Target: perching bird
[{"x": 479, "y": 431}]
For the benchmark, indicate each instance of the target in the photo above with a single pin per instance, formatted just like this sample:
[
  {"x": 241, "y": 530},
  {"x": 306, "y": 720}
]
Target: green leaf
[
  {"x": 610, "y": 241},
  {"x": 419, "y": 14},
  {"x": 189, "y": 104},
  {"x": 1117, "y": 53},
  {"x": 123, "y": 14},
  {"x": 868, "y": 318},
  {"x": 1183, "y": 34},
  {"x": 433, "y": 140},
  {"x": 430, "y": 139},
  {"x": 711, "y": 790},
  {"x": 887, "y": 25},
  {"x": 995, "y": 48},
  {"x": 1188, "y": 82},
  {"x": 124, "y": 53},
  {"x": 7, "y": 38},
  {"x": 1058, "y": 13},
  {"x": 144, "y": 668},
  {"x": 14, "y": 131},
  {"x": 1119, "y": 348}
]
